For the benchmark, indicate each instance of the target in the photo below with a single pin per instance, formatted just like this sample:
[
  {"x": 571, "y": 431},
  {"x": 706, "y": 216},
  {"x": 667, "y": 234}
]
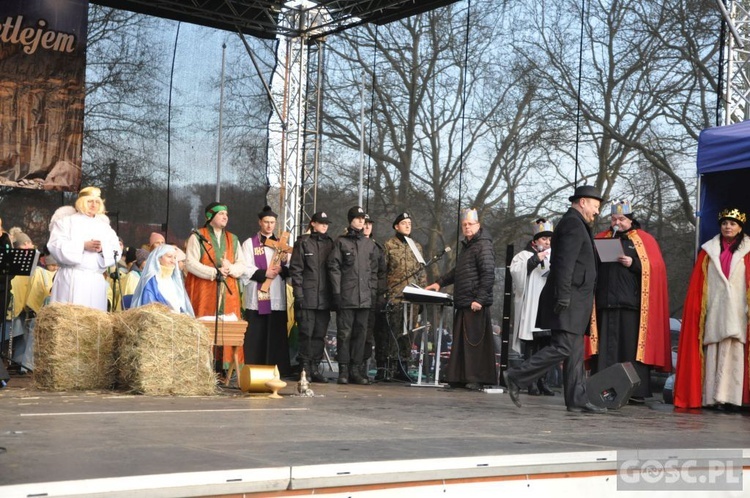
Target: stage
[{"x": 386, "y": 438}]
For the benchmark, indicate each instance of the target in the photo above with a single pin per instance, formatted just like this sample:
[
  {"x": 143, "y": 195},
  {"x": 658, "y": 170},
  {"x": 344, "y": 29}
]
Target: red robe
[
  {"x": 654, "y": 342},
  {"x": 688, "y": 385},
  {"x": 203, "y": 292}
]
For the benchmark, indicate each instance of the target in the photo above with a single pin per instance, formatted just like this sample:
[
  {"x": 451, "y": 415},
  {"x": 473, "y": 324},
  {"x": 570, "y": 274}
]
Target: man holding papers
[{"x": 632, "y": 303}]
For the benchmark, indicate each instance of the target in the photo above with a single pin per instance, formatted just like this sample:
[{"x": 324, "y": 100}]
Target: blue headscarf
[{"x": 147, "y": 290}]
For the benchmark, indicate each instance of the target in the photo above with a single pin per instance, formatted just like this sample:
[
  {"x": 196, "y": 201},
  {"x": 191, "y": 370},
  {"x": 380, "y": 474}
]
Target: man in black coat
[
  {"x": 472, "y": 362},
  {"x": 566, "y": 303},
  {"x": 312, "y": 293},
  {"x": 353, "y": 273}
]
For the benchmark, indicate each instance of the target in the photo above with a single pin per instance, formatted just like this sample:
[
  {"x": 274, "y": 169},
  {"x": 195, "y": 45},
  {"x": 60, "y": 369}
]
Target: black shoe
[
  {"x": 588, "y": 407},
  {"x": 474, "y": 386},
  {"x": 544, "y": 389},
  {"x": 534, "y": 391},
  {"x": 513, "y": 389}
]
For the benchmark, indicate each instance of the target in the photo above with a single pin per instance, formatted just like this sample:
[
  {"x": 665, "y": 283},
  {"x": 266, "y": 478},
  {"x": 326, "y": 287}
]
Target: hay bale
[
  {"x": 161, "y": 352},
  {"x": 74, "y": 348}
]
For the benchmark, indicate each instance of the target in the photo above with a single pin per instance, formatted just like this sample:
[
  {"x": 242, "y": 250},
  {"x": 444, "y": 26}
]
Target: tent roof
[
  {"x": 262, "y": 18},
  {"x": 724, "y": 148}
]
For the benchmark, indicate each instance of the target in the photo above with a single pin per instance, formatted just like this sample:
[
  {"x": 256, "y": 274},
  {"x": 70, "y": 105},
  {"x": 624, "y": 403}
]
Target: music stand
[
  {"x": 417, "y": 295},
  {"x": 15, "y": 262}
]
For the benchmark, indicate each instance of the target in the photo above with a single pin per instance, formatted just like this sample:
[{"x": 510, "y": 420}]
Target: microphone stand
[
  {"x": 116, "y": 284},
  {"x": 219, "y": 280},
  {"x": 390, "y": 304}
]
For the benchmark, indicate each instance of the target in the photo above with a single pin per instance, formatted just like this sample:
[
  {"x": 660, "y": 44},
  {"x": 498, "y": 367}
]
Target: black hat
[
  {"x": 267, "y": 211},
  {"x": 368, "y": 219},
  {"x": 401, "y": 217},
  {"x": 355, "y": 212},
  {"x": 320, "y": 217},
  {"x": 586, "y": 191}
]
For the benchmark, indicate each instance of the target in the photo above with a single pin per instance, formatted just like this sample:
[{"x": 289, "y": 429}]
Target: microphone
[
  {"x": 614, "y": 230},
  {"x": 442, "y": 253},
  {"x": 115, "y": 275},
  {"x": 195, "y": 232}
]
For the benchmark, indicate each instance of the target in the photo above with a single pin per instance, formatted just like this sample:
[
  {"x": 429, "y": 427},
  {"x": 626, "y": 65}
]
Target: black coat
[
  {"x": 353, "y": 270},
  {"x": 309, "y": 271},
  {"x": 572, "y": 277},
  {"x": 474, "y": 275}
]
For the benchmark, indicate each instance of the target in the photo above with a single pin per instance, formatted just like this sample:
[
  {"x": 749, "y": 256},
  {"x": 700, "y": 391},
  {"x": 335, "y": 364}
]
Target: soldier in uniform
[
  {"x": 312, "y": 293},
  {"x": 404, "y": 266},
  {"x": 353, "y": 273}
]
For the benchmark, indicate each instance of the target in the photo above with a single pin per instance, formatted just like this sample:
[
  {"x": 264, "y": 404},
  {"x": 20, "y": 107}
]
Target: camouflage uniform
[{"x": 400, "y": 263}]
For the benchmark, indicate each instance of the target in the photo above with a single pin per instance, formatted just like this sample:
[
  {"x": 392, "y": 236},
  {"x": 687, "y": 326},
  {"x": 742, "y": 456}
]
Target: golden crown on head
[{"x": 733, "y": 214}]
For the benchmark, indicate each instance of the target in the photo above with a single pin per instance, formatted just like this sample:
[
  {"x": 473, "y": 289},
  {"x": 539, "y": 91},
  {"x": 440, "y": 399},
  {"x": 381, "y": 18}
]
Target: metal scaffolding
[
  {"x": 737, "y": 63},
  {"x": 294, "y": 132}
]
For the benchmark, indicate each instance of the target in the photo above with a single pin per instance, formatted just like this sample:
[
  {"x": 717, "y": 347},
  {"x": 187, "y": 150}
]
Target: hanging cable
[
  {"x": 372, "y": 109},
  {"x": 463, "y": 121},
  {"x": 169, "y": 129},
  {"x": 578, "y": 93},
  {"x": 720, "y": 83}
]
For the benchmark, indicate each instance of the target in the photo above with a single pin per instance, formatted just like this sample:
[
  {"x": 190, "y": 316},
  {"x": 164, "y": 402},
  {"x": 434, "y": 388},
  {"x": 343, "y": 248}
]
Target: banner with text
[{"x": 42, "y": 76}]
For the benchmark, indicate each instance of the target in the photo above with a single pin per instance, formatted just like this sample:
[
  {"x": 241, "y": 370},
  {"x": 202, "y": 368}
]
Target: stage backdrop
[{"x": 42, "y": 69}]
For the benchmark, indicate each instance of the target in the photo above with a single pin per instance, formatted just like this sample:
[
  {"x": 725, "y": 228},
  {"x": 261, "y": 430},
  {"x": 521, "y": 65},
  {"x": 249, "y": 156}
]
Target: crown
[
  {"x": 733, "y": 214},
  {"x": 541, "y": 226},
  {"x": 621, "y": 207}
]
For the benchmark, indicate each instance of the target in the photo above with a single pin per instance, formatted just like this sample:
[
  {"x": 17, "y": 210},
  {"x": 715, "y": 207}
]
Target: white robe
[
  {"x": 526, "y": 290},
  {"x": 278, "y": 288},
  {"x": 80, "y": 279},
  {"x": 725, "y": 327}
]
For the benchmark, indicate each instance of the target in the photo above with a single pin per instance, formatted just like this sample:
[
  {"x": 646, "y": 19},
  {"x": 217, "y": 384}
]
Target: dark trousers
[
  {"x": 351, "y": 331},
  {"x": 312, "y": 326},
  {"x": 566, "y": 347},
  {"x": 266, "y": 340}
]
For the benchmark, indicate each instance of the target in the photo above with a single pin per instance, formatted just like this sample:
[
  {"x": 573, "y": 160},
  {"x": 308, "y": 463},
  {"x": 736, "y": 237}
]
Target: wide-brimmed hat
[{"x": 588, "y": 191}]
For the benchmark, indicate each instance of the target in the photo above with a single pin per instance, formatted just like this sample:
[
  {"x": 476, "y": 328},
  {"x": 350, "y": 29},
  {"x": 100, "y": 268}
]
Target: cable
[
  {"x": 372, "y": 108},
  {"x": 578, "y": 94},
  {"x": 463, "y": 121},
  {"x": 169, "y": 125}
]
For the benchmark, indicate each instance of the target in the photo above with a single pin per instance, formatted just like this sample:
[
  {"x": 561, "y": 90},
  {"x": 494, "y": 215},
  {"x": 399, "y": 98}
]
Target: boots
[
  {"x": 343, "y": 374},
  {"x": 355, "y": 374},
  {"x": 534, "y": 390},
  {"x": 315, "y": 375},
  {"x": 543, "y": 387}
]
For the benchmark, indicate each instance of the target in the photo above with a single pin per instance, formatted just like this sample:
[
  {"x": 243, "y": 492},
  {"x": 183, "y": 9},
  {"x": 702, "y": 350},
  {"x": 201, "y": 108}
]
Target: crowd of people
[{"x": 573, "y": 305}]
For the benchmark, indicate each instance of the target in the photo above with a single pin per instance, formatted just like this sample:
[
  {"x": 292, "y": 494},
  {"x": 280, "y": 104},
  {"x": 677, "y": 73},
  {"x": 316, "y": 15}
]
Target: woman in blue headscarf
[{"x": 161, "y": 282}]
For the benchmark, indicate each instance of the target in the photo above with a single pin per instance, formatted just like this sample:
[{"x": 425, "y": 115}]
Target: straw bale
[
  {"x": 161, "y": 352},
  {"x": 74, "y": 348}
]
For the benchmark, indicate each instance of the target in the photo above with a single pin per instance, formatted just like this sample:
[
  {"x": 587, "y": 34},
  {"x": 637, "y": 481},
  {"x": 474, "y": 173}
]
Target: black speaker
[{"x": 612, "y": 387}]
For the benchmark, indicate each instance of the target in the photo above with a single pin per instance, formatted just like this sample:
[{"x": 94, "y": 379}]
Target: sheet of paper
[{"x": 609, "y": 249}]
